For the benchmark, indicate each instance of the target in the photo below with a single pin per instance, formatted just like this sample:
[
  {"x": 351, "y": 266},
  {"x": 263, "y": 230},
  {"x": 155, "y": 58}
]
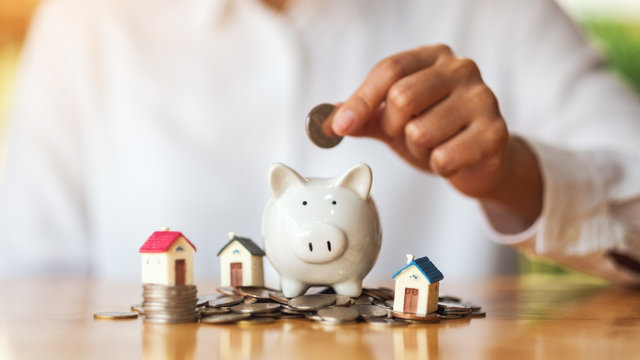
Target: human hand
[{"x": 436, "y": 112}]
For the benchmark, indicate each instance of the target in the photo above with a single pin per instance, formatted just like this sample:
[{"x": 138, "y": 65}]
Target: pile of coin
[
  {"x": 169, "y": 304},
  {"x": 244, "y": 305}
]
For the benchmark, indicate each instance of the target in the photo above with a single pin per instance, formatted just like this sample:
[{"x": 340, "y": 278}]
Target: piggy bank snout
[{"x": 320, "y": 243}]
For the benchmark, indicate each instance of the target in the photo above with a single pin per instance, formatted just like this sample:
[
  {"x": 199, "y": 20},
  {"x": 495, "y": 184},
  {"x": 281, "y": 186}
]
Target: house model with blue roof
[
  {"x": 417, "y": 287},
  {"x": 241, "y": 262}
]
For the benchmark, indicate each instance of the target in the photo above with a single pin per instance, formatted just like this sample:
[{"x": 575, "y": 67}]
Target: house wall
[
  {"x": 154, "y": 268},
  {"x": 159, "y": 268},
  {"x": 411, "y": 277},
  {"x": 235, "y": 252},
  {"x": 257, "y": 271},
  {"x": 432, "y": 300}
]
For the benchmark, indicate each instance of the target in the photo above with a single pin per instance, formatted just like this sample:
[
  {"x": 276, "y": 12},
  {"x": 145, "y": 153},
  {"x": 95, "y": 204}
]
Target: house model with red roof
[
  {"x": 167, "y": 259},
  {"x": 241, "y": 262},
  {"x": 417, "y": 287}
]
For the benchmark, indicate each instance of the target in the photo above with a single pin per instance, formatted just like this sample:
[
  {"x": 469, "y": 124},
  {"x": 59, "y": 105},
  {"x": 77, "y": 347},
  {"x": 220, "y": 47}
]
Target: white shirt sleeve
[
  {"x": 41, "y": 203},
  {"x": 584, "y": 127}
]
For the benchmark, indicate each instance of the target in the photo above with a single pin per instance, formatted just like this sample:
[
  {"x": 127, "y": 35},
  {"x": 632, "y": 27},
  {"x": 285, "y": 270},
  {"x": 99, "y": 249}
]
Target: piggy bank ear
[
  {"x": 282, "y": 177},
  {"x": 358, "y": 179}
]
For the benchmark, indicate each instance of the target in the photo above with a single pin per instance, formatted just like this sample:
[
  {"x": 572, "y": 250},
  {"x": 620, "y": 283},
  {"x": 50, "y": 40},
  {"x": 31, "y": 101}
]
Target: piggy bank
[{"x": 321, "y": 231}]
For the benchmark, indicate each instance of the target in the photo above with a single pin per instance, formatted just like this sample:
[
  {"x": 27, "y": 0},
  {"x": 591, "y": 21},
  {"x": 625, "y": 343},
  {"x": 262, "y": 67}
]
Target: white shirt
[{"x": 130, "y": 116}]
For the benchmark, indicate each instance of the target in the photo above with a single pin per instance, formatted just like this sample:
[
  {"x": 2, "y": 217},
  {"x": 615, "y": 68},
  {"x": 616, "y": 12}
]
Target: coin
[
  {"x": 204, "y": 299},
  {"x": 338, "y": 314},
  {"x": 255, "y": 308},
  {"x": 343, "y": 300},
  {"x": 214, "y": 311},
  {"x": 254, "y": 292},
  {"x": 363, "y": 299},
  {"x": 224, "y": 318},
  {"x": 312, "y": 302},
  {"x": 319, "y": 129},
  {"x": 410, "y": 316},
  {"x": 136, "y": 307},
  {"x": 279, "y": 297},
  {"x": 115, "y": 315},
  {"x": 370, "y": 311},
  {"x": 451, "y": 306},
  {"x": 477, "y": 313},
  {"x": 226, "y": 301}
]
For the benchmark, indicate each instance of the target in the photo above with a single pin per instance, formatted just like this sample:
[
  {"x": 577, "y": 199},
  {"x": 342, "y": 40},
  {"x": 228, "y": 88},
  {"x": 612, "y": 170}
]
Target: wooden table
[{"x": 527, "y": 318}]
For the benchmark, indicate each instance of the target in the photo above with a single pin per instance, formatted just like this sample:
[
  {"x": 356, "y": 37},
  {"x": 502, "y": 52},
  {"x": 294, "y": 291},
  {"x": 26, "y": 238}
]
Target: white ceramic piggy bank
[{"x": 321, "y": 231}]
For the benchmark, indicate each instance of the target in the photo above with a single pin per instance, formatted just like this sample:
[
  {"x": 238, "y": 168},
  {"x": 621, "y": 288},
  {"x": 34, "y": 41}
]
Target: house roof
[
  {"x": 248, "y": 244},
  {"x": 428, "y": 269},
  {"x": 161, "y": 241}
]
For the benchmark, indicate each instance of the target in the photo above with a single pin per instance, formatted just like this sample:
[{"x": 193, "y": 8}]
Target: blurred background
[{"x": 612, "y": 25}]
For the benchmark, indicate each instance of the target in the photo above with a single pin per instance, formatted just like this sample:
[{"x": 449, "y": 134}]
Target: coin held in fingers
[{"x": 319, "y": 128}]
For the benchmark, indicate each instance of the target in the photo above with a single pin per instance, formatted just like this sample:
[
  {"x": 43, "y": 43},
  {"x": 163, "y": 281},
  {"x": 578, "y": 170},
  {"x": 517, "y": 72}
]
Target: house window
[
  {"x": 236, "y": 251},
  {"x": 179, "y": 248}
]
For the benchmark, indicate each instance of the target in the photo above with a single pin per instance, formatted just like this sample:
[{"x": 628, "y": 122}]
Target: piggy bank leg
[
  {"x": 292, "y": 288},
  {"x": 351, "y": 288}
]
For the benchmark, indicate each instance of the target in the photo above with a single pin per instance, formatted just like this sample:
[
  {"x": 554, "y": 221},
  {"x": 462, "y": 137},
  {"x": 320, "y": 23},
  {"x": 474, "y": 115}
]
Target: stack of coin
[{"x": 170, "y": 304}]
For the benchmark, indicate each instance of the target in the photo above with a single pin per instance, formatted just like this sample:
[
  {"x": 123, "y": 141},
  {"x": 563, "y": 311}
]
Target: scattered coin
[
  {"x": 255, "y": 308},
  {"x": 226, "y": 301},
  {"x": 250, "y": 300},
  {"x": 312, "y": 302},
  {"x": 386, "y": 322},
  {"x": 226, "y": 290},
  {"x": 137, "y": 308},
  {"x": 214, "y": 311},
  {"x": 338, "y": 314},
  {"x": 204, "y": 299},
  {"x": 363, "y": 299},
  {"x": 253, "y": 292},
  {"x": 115, "y": 315},
  {"x": 370, "y": 311},
  {"x": 279, "y": 297},
  {"x": 477, "y": 314},
  {"x": 343, "y": 300},
  {"x": 319, "y": 128}
]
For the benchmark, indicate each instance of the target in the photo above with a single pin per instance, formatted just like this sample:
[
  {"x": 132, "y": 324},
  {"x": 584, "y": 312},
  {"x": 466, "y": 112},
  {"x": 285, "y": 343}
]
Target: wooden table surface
[{"x": 527, "y": 318}]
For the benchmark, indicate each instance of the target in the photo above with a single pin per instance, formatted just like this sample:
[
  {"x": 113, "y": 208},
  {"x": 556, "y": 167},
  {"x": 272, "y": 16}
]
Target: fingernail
[{"x": 343, "y": 122}]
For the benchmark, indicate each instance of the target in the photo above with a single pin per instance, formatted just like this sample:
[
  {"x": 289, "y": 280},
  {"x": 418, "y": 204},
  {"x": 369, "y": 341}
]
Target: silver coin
[
  {"x": 279, "y": 297},
  {"x": 227, "y": 290},
  {"x": 253, "y": 292},
  {"x": 312, "y": 302},
  {"x": 204, "y": 299},
  {"x": 255, "y": 308},
  {"x": 214, "y": 311},
  {"x": 226, "y": 301},
  {"x": 389, "y": 303},
  {"x": 319, "y": 129},
  {"x": 452, "y": 306},
  {"x": 476, "y": 314},
  {"x": 338, "y": 314},
  {"x": 370, "y": 311},
  {"x": 343, "y": 300},
  {"x": 224, "y": 318},
  {"x": 363, "y": 299}
]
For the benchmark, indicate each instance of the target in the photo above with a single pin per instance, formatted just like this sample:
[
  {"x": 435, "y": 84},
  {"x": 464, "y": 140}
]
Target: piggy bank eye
[
  {"x": 334, "y": 202},
  {"x": 304, "y": 203}
]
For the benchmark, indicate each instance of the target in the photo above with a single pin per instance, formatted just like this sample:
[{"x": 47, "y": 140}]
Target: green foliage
[{"x": 620, "y": 42}]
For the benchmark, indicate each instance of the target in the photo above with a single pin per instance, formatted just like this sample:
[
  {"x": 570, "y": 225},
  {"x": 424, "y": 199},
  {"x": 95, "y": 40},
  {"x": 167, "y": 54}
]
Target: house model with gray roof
[
  {"x": 241, "y": 262},
  {"x": 417, "y": 287}
]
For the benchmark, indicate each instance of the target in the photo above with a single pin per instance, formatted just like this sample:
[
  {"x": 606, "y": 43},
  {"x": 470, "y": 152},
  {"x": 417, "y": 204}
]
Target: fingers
[
  {"x": 478, "y": 143},
  {"x": 360, "y": 107}
]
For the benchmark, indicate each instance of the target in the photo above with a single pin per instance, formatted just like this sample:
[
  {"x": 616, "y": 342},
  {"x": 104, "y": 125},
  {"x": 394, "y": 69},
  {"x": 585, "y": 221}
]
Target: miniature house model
[
  {"x": 241, "y": 263},
  {"x": 417, "y": 287},
  {"x": 167, "y": 259}
]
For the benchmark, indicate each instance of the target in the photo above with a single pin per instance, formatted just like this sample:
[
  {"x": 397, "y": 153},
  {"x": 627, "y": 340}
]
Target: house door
[
  {"x": 410, "y": 300},
  {"x": 236, "y": 274},
  {"x": 181, "y": 272}
]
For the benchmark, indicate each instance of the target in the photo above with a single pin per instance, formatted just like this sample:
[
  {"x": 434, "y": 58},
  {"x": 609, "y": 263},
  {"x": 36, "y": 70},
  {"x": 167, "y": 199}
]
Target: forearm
[{"x": 516, "y": 202}]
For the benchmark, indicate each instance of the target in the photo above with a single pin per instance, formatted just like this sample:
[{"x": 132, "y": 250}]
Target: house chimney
[
  {"x": 231, "y": 235},
  {"x": 165, "y": 228},
  {"x": 410, "y": 258}
]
